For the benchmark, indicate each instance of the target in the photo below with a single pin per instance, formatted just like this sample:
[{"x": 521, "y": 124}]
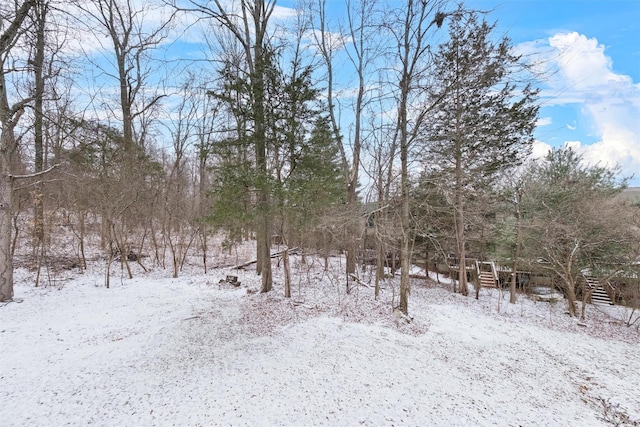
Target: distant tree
[
  {"x": 178, "y": 192},
  {"x": 484, "y": 123},
  {"x": 133, "y": 39},
  {"x": 46, "y": 43},
  {"x": 433, "y": 218},
  {"x": 205, "y": 140},
  {"x": 101, "y": 173},
  {"x": 509, "y": 235},
  {"x": 574, "y": 222},
  {"x": 380, "y": 149},
  {"x": 314, "y": 186},
  {"x": 229, "y": 145}
]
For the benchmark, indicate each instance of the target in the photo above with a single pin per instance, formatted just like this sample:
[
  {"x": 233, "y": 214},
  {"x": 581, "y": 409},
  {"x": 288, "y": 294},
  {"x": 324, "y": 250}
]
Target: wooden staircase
[
  {"x": 599, "y": 295},
  {"x": 488, "y": 278}
]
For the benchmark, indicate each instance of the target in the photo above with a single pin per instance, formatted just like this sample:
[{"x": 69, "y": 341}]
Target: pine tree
[{"x": 484, "y": 123}]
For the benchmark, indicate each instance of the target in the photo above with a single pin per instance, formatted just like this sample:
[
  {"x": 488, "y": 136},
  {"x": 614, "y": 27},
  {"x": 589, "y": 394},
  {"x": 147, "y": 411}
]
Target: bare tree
[
  {"x": 133, "y": 39},
  {"x": 361, "y": 42},
  {"x": 180, "y": 230},
  {"x": 412, "y": 35},
  {"x": 11, "y": 110},
  {"x": 41, "y": 11},
  {"x": 364, "y": 24},
  {"x": 249, "y": 26},
  {"x": 46, "y": 43},
  {"x": 329, "y": 41},
  {"x": 380, "y": 150},
  {"x": 574, "y": 222}
]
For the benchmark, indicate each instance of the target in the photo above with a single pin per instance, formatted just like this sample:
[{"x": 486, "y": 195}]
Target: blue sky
[
  {"x": 591, "y": 101},
  {"x": 591, "y": 74}
]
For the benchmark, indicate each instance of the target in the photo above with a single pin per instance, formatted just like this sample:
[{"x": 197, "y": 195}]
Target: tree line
[{"x": 397, "y": 128}]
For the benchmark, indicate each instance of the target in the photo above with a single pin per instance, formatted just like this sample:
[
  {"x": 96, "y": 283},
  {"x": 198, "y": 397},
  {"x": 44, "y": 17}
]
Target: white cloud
[
  {"x": 540, "y": 149},
  {"x": 578, "y": 71},
  {"x": 544, "y": 121},
  {"x": 582, "y": 62},
  {"x": 575, "y": 145}
]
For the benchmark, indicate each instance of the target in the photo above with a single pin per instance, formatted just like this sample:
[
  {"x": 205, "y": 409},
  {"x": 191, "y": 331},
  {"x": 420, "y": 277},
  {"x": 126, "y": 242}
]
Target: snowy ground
[{"x": 155, "y": 351}]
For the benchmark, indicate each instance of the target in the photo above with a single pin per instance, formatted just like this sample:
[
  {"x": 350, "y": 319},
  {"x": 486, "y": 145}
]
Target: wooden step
[
  {"x": 487, "y": 280},
  {"x": 592, "y": 282},
  {"x": 600, "y": 297}
]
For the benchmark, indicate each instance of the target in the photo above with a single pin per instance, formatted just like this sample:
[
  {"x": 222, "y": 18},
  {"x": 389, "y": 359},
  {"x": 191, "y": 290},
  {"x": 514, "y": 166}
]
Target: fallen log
[
  {"x": 358, "y": 281},
  {"x": 292, "y": 251}
]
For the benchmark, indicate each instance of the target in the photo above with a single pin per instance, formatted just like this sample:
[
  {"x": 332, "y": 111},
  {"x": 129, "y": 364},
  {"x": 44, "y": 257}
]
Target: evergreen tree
[
  {"x": 316, "y": 183},
  {"x": 484, "y": 122}
]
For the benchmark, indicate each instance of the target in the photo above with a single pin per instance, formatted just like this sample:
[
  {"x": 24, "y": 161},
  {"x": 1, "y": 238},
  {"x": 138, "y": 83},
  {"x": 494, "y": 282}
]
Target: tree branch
[{"x": 33, "y": 175}]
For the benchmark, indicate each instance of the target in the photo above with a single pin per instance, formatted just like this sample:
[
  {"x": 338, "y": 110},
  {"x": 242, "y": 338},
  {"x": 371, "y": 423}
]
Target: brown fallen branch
[
  {"x": 358, "y": 281},
  {"x": 292, "y": 251}
]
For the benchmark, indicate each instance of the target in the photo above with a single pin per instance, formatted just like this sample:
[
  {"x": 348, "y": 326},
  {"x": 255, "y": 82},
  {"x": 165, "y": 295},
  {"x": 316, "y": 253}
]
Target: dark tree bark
[{"x": 9, "y": 117}]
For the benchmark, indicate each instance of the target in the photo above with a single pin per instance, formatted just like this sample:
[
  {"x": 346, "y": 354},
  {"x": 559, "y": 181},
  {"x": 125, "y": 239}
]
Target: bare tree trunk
[
  {"x": 16, "y": 227},
  {"x": 156, "y": 246},
  {"x": 6, "y": 259},
  {"x": 411, "y": 44},
  {"x": 404, "y": 273},
  {"x": 83, "y": 258},
  {"x": 9, "y": 117},
  {"x": 350, "y": 249},
  {"x": 174, "y": 255},
  {"x": 380, "y": 263},
  {"x": 107, "y": 270},
  {"x": 287, "y": 274},
  {"x": 404, "y": 219},
  {"x": 516, "y": 255},
  {"x": 462, "y": 259},
  {"x": 124, "y": 262},
  {"x": 39, "y": 258},
  {"x": 40, "y": 10},
  {"x": 264, "y": 253},
  {"x": 202, "y": 233},
  {"x": 326, "y": 250},
  {"x": 571, "y": 298}
]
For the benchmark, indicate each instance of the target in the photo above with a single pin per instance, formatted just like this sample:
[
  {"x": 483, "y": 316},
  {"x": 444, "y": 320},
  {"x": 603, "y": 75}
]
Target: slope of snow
[{"x": 153, "y": 351}]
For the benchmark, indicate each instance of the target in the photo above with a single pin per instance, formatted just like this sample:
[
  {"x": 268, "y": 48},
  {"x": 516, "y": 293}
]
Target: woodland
[{"x": 141, "y": 158}]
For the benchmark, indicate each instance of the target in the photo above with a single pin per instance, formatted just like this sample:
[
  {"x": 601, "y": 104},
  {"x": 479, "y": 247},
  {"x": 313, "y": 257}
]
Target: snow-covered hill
[{"x": 154, "y": 351}]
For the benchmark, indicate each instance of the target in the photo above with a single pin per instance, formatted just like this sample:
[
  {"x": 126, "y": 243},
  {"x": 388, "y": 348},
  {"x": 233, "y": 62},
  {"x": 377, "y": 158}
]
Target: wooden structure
[
  {"x": 599, "y": 295},
  {"x": 487, "y": 274}
]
